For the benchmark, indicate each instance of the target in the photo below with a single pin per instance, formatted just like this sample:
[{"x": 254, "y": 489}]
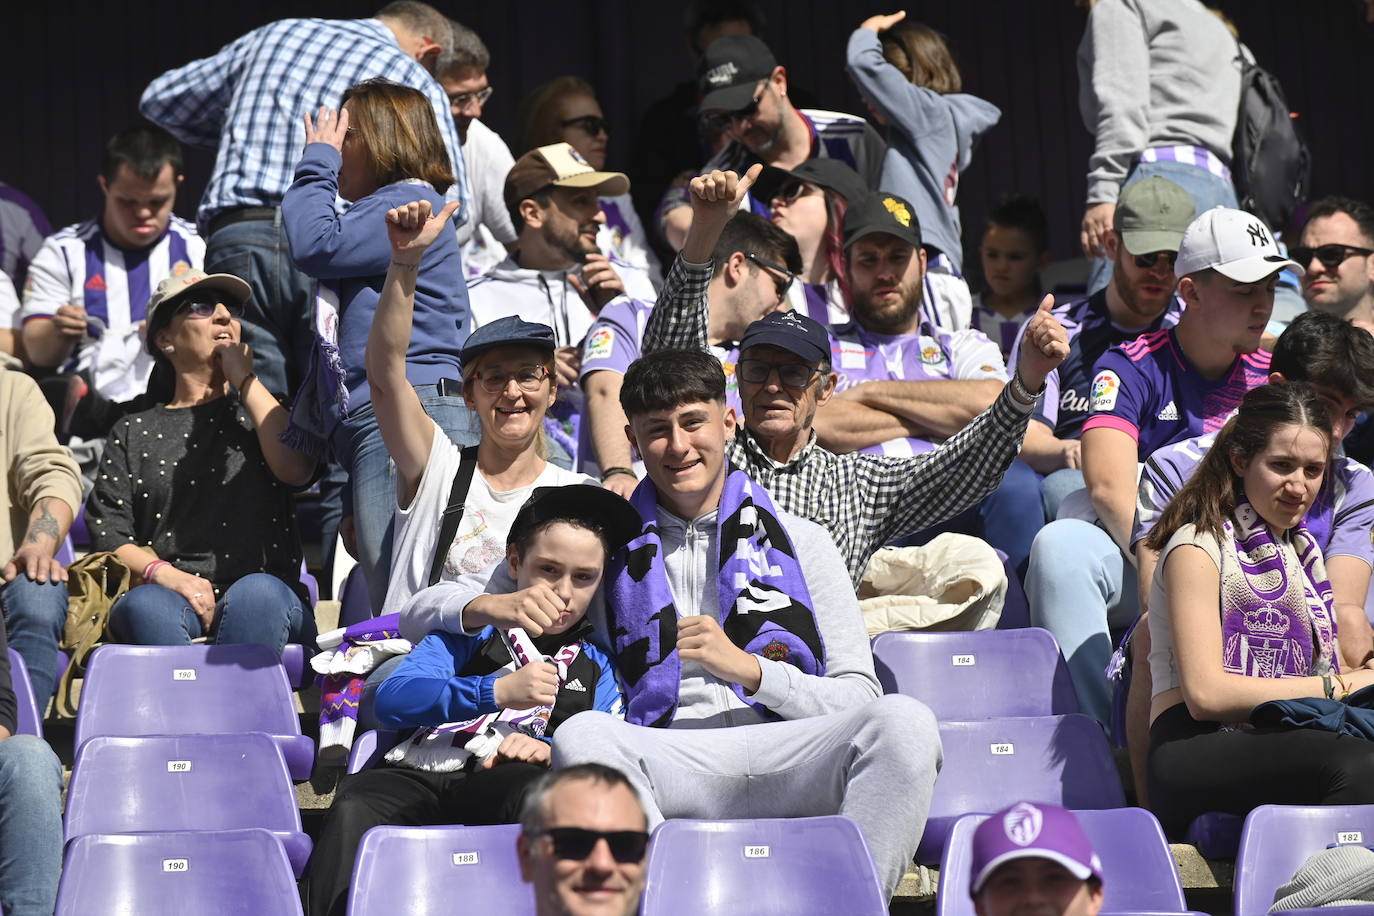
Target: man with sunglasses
[
  {"x": 744, "y": 97},
  {"x": 1337, "y": 249},
  {"x": 583, "y": 837}
]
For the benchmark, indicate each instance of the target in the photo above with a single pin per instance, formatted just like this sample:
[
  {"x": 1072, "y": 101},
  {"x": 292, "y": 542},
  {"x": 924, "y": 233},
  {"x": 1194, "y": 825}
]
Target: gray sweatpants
[{"x": 876, "y": 764}]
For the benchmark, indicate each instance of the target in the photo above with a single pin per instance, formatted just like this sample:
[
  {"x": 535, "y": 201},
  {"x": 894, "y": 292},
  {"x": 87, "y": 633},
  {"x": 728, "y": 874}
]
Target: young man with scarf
[
  {"x": 749, "y": 682},
  {"x": 863, "y": 500}
]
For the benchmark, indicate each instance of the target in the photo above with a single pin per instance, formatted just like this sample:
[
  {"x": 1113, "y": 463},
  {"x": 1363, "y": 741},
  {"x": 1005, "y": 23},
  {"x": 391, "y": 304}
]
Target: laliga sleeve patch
[
  {"x": 1106, "y": 386},
  {"x": 599, "y": 345}
]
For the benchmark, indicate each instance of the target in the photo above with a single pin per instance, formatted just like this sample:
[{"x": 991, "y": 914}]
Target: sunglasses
[
  {"x": 793, "y": 191},
  {"x": 782, "y": 283},
  {"x": 627, "y": 846},
  {"x": 720, "y": 120},
  {"x": 792, "y": 375},
  {"x": 1331, "y": 256},
  {"x": 207, "y": 309},
  {"x": 1147, "y": 261},
  {"x": 591, "y": 124},
  {"x": 528, "y": 379}
]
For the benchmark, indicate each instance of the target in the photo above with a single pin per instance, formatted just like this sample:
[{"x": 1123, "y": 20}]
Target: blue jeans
[
  {"x": 1080, "y": 587},
  {"x": 258, "y": 608},
  {"x": 362, "y": 453},
  {"x": 1058, "y": 485},
  {"x": 278, "y": 319},
  {"x": 34, "y": 616},
  {"x": 30, "y": 826},
  {"x": 1007, "y": 518},
  {"x": 1206, "y": 189}
]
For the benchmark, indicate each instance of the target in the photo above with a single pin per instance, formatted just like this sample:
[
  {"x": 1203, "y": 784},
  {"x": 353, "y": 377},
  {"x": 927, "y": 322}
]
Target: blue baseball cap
[
  {"x": 791, "y": 331},
  {"x": 507, "y": 332}
]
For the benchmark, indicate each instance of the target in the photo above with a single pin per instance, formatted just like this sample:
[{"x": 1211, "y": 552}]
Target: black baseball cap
[
  {"x": 507, "y": 332},
  {"x": 791, "y": 331},
  {"x": 730, "y": 71},
  {"x": 881, "y": 212},
  {"x": 609, "y": 511},
  {"x": 831, "y": 174}
]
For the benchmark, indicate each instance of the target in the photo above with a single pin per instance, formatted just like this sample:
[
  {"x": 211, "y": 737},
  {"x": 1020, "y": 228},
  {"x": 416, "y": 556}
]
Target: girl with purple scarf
[{"x": 1241, "y": 614}]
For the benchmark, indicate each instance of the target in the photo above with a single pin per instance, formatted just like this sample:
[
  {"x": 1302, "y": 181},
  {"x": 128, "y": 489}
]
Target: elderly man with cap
[
  {"x": 195, "y": 495},
  {"x": 556, "y": 275},
  {"x": 1034, "y": 858},
  {"x": 1142, "y": 244},
  {"x": 785, "y": 376},
  {"x": 1165, "y": 386},
  {"x": 744, "y": 97}
]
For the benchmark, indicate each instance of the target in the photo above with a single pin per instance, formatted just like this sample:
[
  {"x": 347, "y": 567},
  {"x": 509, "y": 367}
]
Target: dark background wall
[{"x": 75, "y": 72}]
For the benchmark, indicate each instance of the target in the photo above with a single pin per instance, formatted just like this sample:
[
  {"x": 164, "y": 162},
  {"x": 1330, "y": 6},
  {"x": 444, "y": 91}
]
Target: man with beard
[
  {"x": 556, "y": 276},
  {"x": 905, "y": 385}
]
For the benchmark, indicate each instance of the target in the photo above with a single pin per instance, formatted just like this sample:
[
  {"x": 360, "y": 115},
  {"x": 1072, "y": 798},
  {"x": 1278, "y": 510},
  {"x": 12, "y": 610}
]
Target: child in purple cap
[{"x": 1034, "y": 858}]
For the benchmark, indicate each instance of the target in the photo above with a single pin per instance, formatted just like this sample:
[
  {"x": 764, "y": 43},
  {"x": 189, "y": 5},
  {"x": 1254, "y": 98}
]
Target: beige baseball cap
[
  {"x": 175, "y": 289},
  {"x": 561, "y": 165}
]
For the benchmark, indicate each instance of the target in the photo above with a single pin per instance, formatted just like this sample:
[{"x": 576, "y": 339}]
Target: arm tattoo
[{"x": 44, "y": 524}]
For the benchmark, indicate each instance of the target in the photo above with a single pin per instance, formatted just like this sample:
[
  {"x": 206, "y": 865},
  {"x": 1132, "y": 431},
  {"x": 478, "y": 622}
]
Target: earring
[{"x": 169, "y": 349}]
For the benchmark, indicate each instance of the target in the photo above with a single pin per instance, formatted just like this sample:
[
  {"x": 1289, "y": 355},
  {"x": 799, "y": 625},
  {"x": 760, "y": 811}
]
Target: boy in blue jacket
[{"x": 485, "y": 707}]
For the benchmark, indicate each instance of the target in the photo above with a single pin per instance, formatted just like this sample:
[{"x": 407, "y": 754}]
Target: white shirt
[
  {"x": 9, "y": 303},
  {"x": 481, "y": 537},
  {"x": 483, "y": 238}
]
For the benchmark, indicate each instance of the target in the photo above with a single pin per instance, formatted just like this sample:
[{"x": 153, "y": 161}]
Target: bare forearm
[
  {"x": 291, "y": 467},
  {"x": 134, "y": 557},
  {"x": 846, "y": 425},
  {"x": 44, "y": 345},
  {"x": 607, "y": 419},
  {"x": 1041, "y": 450},
  {"x": 49, "y": 523},
  {"x": 405, "y": 427},
  {"x": 940, "y": 408}
]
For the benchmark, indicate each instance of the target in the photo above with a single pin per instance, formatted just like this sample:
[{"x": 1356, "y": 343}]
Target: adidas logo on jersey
[
  {"x": 96, "y": 283},
  {"x": 575, "y": 684},
  {"x": 1170, "y": 412}
]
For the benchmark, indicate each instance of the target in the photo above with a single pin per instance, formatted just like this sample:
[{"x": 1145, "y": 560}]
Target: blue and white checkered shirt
[{"x": 247, "y": 102}]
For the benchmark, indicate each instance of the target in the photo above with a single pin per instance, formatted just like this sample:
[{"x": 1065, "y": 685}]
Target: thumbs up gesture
[{"x": 1044, "y": 345}]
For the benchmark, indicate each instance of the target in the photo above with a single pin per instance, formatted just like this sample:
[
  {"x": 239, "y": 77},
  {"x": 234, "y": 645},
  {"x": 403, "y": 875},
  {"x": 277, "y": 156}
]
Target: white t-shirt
[
  {"x": 488, "y": 160},
  {"x": 481, "y": 536}
]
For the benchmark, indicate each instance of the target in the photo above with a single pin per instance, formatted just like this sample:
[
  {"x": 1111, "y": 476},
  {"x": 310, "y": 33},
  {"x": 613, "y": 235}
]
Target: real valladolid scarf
[
  {"x": 1276, "y": 611},
  {"x": 765, "y": 607}
]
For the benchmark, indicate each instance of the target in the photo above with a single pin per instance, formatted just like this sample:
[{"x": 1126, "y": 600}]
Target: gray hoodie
[
  {"x": 690, "y": 552},
  {"x": 931, "y": 140},
  {"x": 1154, "y": 73}
]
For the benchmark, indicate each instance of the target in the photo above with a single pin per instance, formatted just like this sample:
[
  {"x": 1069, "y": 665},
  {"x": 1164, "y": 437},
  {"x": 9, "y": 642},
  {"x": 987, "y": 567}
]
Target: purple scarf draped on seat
[
  {"x": 765, "y": 606},
  {"x": 1277, "y": 618}
]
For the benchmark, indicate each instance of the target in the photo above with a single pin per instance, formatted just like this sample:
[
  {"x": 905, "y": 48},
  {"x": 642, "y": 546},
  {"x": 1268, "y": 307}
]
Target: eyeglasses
[
  {"x": 782, "y": 283},
  {"x": 791, "y": 375},
  {"x": 577, "y": 843},
  {"x": 591, "y": 124},
  {"x": 207, "y": 309},
  {"x": 1331, "y": 256},
  {"x": 720, "y": 120},
  {"x": 794, "y": 191},
  {"x": 464, "y": 99},
  {"x": 1148, "y": 261},
  {"x": 529, "y": 379}
]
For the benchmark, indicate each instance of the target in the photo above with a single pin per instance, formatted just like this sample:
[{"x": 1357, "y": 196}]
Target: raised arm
[
  {"x": 406, "y": 429},
  {"x": 293, "y": 468}
]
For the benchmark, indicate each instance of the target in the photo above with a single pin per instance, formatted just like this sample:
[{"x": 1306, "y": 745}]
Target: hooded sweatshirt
[{"x": 930, "y": 141}]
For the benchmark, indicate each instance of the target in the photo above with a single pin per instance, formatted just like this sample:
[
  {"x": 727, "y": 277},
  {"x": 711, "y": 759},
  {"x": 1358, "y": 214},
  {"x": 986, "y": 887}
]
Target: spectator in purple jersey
[
  {"x": 1143, "y": 242},
  {"x": 23, "y": 226},
  {"x": 1337, "y": 248},
  {"x": 565, "y": 110},
  {"x": 809, "y": 203},
  {"x": 904, "y": 384},
  {"x": 1014, "y": 249},
  {"x": 1241, "y": 620},
  {"x": 1160, "y": 388},
  {"x": 746, "y": 275},
  {"x": 744, "y": 95},
  {"x": 1337, "y": 360}
]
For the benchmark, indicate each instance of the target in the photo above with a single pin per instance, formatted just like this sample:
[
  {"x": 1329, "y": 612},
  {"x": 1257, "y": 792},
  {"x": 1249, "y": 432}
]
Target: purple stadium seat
[
  {"x": 354, "y": 606},
  {"x": 1279, "y": 838},
  {"x": 293, "y": 661},
  {"x": 187, "y": 782},
  {"x": 30, "y": 714},
  {"x": 66, "y": 554},
  {"x": 1015, "y": 607},
  {"x": 79, "y": 533},
  {"x": 178, "y": 690},
  {"x": 1216, "y": 835},
  {"x": 370, "y": 747},
  {"x": 992, "y": 763},
  {"x": 762, "y": 867},
  {"x": 977, "y": 675},
  {"x": 199, "y": 873},
  {"x": 427, "y": 871},
  {"x": 311, "y": 584},
  {"x": 1136, "y": 862}
]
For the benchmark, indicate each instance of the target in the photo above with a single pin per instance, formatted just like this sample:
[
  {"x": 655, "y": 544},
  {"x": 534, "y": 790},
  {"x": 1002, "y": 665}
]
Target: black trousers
[
  {"x": 1196, "y": 768},
  {"x": 408, "y": 798}
]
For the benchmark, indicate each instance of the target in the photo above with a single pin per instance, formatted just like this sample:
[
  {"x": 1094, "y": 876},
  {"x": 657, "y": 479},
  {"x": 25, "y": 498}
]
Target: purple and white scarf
[
  {"x": 447, "y": 748},
  {"x": 765, "y": 606},
  {"x": 1277, "y": 618}
]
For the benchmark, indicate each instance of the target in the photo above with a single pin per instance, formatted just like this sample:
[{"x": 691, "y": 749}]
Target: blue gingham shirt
[{"x": 247, "y": 101}]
